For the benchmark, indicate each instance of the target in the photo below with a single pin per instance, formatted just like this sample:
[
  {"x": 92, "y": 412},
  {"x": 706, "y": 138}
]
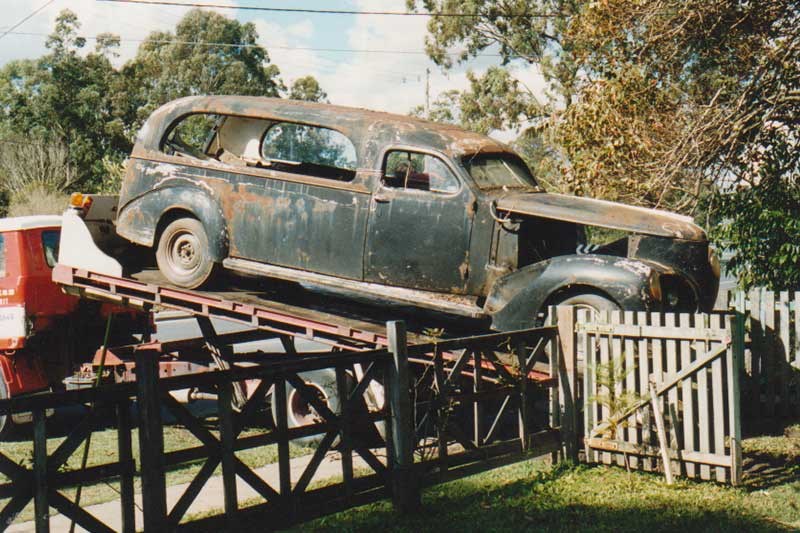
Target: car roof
[
  {"x": 30, "y": 222},
  {"x": 369, "y": 130}
]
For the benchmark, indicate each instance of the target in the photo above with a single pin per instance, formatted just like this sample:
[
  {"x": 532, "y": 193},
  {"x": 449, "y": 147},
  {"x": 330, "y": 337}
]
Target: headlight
[
  {"x": 655, "y": 285},
  {"x": 713, "y": 260}
]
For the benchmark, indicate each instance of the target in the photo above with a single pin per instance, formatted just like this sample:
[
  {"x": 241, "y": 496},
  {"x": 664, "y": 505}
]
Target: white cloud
[{"x": 133, "y": 22}]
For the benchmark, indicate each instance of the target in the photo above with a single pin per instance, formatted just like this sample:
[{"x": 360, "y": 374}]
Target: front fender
[
  {"x": 516, "y": 299},
  {"x": 138, "y": 219}
]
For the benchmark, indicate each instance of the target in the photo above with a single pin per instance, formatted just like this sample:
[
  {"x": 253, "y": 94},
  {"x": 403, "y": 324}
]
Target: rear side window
[
  {"x": 2, "y": 255},
  {"x": 309, "y": 150},
  {"x": 50, "y": 240}
]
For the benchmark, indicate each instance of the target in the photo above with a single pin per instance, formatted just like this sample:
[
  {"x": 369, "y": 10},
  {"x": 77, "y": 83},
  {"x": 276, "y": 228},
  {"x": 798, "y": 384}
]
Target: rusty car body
[{"x": 390, "y": 206}]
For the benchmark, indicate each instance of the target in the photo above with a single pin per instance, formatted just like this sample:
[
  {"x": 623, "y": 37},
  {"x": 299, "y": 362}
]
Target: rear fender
[
  {"x": 138, "y": 220},
  {"x": 517, "y": 298}
]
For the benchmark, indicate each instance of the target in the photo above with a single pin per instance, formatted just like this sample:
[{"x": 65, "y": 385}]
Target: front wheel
[
  {"x": 593, "y": 303},
  {"x": 183, "y": 254}
]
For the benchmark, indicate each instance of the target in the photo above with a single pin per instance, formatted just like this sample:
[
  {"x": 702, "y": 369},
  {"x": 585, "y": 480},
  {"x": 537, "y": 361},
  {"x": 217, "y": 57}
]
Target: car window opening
[
  {"x": 410, "y": 170},
  {"x": 258, "y": 143}
]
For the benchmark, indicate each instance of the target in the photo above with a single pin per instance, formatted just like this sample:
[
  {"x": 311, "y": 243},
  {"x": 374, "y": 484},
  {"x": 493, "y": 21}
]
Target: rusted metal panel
[{"x": 592, "y": 212}]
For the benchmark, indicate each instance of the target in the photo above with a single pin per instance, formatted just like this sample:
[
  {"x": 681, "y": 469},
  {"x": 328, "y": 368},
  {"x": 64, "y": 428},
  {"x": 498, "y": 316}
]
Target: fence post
[
  {"x": 125, "y": 451},
  {"x": 40, "y": 503},
  {"x": 227, "y": 440},
  {"x": 568, "y": 379},
  {"x": 405, "y": 489},
  {"x": 151, "y": 441},
  {"x": 735, "y": 324}
]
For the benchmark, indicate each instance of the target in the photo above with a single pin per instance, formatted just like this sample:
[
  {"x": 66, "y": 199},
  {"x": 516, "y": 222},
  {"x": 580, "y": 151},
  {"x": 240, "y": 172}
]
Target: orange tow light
[{"x": 79, "y": 201}]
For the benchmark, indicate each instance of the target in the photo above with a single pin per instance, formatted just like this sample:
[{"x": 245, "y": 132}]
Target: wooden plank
[
  {"x": 770, "y": 355},
  {"x": 553, "y": 393},
  {"x": 662, "y": 434},
  {"x": 703, "y": 405},
  {"x": 747, "y": 361},
  {"x": 657, "y": 362},
  {"x": 345, "y": 431},
  {"x": 405, "y": 487},
  {"x": 661, "y": 332},
  {"x": 225, "y": 399},
  {"x": 125, "y": 454},
  {"x": 796, "y": 357},
  {"x": 785, "y": 351},
  {"x": 644, "y": 380},
  {"x": 605, "y": 357},
  {"x": 587, "y": 366},
  {"x": 40, "y": 489},
  {"x": 756, "y": 350},
  {"x": 646, "y": 450},
  {"x": 687, "y": 395},
  {"x": 151, "y": 441},
  {"x": 671, "y": 406},
  {"x": 630, "y": 385},
  {"x": 568, "y": 379},
  {"x": 717, "y": 418},
  {"x": 282, "y": 425},
  {"x": 618, "y": 360},
  {"x": 733, "y": 366}
]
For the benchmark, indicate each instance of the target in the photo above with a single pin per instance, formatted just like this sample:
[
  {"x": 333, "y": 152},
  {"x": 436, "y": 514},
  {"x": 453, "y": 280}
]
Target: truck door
[{"x": 419, "y": 225}]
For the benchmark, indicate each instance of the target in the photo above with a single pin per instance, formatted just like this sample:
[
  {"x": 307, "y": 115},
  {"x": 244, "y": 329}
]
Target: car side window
[
  {"x": 309, "y": 150},
  {"x": 412, "y": 170}
]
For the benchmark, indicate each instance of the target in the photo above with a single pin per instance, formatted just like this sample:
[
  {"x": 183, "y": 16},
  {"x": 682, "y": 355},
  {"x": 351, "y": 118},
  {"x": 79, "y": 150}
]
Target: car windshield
[{"x": 494, "y": 171}]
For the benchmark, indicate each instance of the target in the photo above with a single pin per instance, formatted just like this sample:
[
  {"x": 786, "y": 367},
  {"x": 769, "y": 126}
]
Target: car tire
[
  {"x": 183, "y": 254},
  {"x": 594, "y": 303},
  {"x": 300, "y": 412},
  {"x": 5, "y": 420}
]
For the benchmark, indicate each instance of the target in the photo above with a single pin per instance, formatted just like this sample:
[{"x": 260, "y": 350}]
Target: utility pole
[{"x": 427, "y": 91}]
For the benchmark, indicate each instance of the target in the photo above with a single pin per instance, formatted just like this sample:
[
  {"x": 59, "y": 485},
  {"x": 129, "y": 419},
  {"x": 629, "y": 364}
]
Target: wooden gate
[{"x": 639, "y": 369}]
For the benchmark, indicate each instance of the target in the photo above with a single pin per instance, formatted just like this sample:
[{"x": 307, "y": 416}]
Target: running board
[{"x": 446, "y": 303}]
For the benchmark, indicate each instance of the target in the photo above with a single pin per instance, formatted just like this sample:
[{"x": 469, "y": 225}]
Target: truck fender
[
  {"x": 516, "y": 299},
  {"x": 138, "y": 220}
]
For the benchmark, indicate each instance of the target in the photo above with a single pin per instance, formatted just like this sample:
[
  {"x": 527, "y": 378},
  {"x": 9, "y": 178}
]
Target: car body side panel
[
  {"x": 516, "y": 299},
  {"x": 299, "y": 225}
]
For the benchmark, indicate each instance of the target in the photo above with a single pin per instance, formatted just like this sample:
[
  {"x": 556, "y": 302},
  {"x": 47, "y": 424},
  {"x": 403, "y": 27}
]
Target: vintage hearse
[{"x": 391, "y": 206}]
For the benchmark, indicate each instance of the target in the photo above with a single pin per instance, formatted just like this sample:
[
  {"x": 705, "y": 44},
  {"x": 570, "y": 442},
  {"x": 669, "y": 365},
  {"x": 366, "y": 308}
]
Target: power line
[
  {"x": 24, "y": 20},
  {"x": 320, "y": 11},
  {"x": 267, "y": 46}
]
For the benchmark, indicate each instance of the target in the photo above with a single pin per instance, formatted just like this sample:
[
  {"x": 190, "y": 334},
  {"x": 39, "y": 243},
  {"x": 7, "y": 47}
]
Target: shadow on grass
[{"x": 564, "y": 499}]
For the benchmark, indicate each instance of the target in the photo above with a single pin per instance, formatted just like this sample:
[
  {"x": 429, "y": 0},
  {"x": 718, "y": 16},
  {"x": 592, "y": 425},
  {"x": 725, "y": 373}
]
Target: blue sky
[{"x": 389, "y": 82}]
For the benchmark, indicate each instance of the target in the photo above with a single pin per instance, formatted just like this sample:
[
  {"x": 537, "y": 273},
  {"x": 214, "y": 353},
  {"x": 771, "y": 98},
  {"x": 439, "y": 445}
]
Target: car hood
[{"x": 591, "y": 212}]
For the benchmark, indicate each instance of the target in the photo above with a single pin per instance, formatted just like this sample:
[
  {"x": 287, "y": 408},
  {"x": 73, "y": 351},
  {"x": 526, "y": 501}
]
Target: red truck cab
[{"x": 30, "y": 302}]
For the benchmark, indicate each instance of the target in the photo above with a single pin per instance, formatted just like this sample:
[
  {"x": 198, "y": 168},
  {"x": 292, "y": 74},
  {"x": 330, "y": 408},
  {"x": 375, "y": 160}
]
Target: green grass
[{"x": 535, "y": 496}]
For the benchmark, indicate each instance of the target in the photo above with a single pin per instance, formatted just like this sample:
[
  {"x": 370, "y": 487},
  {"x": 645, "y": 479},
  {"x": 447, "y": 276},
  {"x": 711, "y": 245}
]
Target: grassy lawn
[{"x": 535, "y": 496}]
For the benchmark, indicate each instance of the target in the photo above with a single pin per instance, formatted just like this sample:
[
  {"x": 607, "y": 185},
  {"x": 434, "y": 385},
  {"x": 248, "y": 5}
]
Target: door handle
[{"x": 381, "y": 199}]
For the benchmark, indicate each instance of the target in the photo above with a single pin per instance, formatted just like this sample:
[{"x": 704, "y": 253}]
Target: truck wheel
[
  {"x": 183, "y": 254},
  {"x": 301, "y": 412},
  {"x": 5, "y": 420}
]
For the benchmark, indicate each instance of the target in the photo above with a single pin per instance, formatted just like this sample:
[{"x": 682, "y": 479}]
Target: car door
[{"x": 419, "y": 226}]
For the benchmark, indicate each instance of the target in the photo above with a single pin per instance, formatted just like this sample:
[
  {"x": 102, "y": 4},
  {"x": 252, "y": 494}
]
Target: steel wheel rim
[{"x": 183, "y": 253}]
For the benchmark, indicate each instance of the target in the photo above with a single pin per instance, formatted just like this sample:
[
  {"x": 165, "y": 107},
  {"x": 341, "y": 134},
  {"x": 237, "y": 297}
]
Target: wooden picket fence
[
  {"x": 771, "y": 384},
  {"x": 661, "y": 387}
]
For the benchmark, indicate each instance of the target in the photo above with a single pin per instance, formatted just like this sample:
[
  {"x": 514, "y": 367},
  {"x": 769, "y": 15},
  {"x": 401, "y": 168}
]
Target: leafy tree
[
  {"x": 662, "y": 103},
  {"x": 307, "y": 88},
  {"x": 172, "y": 65},
  {"x": 63, "y": 97}
]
